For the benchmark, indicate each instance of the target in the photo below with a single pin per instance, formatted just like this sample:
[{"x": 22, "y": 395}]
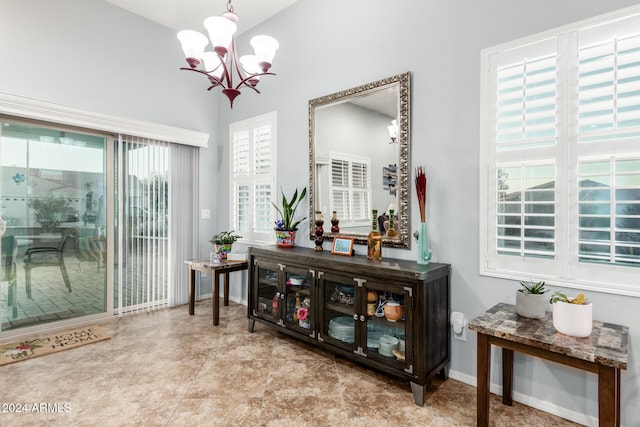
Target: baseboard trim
[
  {"x": 542, "y": 405},
  {"x": 231, "y": 298}
]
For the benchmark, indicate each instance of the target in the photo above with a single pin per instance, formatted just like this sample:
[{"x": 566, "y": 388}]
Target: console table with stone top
[
  {"x": 604, "y": 353},
  {"x": 224, "y": 267}
]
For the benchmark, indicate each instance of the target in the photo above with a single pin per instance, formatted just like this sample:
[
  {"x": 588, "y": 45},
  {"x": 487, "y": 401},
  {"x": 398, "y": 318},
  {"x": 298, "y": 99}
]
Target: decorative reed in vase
[{"x": 422, "y": 236}]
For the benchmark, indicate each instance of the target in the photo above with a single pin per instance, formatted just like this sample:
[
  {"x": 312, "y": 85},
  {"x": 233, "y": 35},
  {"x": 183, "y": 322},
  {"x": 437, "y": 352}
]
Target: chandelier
[{"x": 221, "y": 66}]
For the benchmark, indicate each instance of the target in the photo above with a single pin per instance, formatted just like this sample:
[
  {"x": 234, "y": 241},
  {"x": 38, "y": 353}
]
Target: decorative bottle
[
  {"x": 319, "y": 231},
  {"x": 374, "y": 240},
  {"x": 297, "y": 307},
  {"x": 334, "y": 223},
  {"x": 392, "y": 232}
]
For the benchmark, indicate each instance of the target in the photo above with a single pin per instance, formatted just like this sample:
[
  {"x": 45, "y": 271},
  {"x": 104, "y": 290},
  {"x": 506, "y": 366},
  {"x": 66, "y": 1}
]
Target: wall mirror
[{"x": 359, "y": 160}]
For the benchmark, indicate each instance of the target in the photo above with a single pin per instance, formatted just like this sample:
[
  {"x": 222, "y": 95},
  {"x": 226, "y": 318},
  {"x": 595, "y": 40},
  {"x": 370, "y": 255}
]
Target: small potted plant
[
  {"x": 531, "y": 300},
  {"x": 286, "y": 226},
  {"x": 572, "y": 316},
  {"x": 223, "y": 241}
]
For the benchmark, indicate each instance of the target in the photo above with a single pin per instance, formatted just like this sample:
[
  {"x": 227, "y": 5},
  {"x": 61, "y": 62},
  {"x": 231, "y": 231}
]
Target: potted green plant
[
  {"x": 531, "y": 300},
  {"x": 286, "y": 225},
  {"x": 223, "y": 242},
  {"x": 572, "y": 316}
]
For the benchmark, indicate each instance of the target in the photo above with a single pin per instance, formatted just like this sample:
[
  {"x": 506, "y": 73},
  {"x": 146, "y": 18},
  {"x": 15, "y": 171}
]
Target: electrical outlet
[
  {"x": 462, "y": 336},
  {"x": 459, "y": 325}
]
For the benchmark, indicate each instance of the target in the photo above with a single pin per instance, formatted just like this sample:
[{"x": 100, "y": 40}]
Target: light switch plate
[{"x": 205, "y": 214}]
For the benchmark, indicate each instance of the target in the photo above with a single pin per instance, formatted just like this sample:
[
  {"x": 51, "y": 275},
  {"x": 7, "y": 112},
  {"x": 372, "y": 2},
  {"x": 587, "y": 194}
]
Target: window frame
[
  {"x": 252, "y": 179},
  {"x": 567, "y": 154}
]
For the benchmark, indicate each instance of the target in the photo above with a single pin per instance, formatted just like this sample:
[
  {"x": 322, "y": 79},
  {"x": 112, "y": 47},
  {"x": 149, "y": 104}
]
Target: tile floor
[{"x": 166, "y": 368}]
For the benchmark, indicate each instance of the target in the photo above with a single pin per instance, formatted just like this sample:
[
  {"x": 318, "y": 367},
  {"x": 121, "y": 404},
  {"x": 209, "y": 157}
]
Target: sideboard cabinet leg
[{"x": 418, "y": 393}]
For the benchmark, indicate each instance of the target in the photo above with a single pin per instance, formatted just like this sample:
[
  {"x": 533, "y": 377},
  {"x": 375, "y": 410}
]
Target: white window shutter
[
  {"x": 561, "y": 142},
  {"x": 350, "y": 189},
  {"x": 253, "y": 162}
]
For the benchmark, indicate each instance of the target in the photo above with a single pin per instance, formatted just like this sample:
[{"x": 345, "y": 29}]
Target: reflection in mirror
[{"x": 359, "y": 159}]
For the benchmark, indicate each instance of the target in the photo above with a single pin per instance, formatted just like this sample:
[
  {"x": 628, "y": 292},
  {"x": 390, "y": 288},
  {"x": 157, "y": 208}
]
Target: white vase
[
  {"x": 531, "y": 305},
  {"x": 575, "y": 320}
]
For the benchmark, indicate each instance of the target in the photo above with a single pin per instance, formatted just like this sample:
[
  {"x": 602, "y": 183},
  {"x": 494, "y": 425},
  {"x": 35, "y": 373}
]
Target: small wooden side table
[
  {"x": 605, "y": 352},
  {"x": 225, "y": 267}
]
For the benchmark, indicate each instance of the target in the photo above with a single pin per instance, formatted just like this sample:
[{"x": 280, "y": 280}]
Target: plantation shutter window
[
  {"x": 560, "y": 149},
  {"x": 340, "y": 189},
  {"x": 350, "y": 189},
  {"x": 526, "y": 211},
  {"x": 361, "y": 194},
  {"x": 608, "y": 152},
  {"x": 253, "y": 164}
]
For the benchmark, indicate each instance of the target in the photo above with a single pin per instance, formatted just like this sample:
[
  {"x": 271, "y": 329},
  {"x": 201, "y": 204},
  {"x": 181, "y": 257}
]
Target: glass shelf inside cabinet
[
  {"x": 386, "y": 326},
  {"x": 339, "y": 308},
  {"x": 298, "y": 300},
  {"x": 268, "y": 291}
]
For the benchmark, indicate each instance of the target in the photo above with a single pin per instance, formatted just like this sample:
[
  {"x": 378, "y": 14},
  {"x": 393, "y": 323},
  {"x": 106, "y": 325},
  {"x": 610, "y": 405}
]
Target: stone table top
[
  {"x": 607, "y": 345},
  {"x": 204, "y": 265}
]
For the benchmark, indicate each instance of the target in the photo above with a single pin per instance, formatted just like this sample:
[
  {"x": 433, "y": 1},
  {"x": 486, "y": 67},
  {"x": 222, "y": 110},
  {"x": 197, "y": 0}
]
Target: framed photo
[{"x": 342, "y": 246}]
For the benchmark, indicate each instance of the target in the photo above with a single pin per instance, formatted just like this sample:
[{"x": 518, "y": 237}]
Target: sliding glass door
[
  {"x": 53, "y": 192},
  {"x": 88, "y": 224}
]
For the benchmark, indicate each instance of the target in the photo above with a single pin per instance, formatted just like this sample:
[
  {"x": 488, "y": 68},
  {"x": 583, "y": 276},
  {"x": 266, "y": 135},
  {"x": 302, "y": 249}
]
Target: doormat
[{"x": 53, "y": 343}]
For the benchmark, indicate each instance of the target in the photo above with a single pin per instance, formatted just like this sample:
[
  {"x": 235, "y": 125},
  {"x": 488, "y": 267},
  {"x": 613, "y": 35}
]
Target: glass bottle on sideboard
[{"x": 374, "y": 240}]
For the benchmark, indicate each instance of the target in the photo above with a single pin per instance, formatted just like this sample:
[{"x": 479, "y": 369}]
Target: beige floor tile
[{"x": 167, "y": 368}]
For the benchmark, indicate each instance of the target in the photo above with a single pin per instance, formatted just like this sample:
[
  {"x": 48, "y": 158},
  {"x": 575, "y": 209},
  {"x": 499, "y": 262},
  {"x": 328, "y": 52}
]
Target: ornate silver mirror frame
[{"x": 362, "y": 96}]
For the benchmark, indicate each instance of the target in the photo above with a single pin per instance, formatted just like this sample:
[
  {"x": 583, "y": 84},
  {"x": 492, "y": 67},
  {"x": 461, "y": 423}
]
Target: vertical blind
[
  {"x": 183, "y": 218},
  {"x": 144, "y": 228}
]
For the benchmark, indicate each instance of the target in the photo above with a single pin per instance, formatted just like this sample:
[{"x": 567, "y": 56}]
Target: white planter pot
[
  {"x": 531, "y": 305},
  {"x": 575, "y": 320}
]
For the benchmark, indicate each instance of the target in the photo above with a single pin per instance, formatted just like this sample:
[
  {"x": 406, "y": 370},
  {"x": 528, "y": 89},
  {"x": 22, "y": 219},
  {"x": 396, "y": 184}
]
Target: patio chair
[
  {"x": 46, "y": 257},
  {"x": 9, "y": 252}
]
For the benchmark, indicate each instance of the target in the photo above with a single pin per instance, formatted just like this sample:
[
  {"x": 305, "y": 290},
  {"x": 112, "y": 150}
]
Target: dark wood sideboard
[{"x": 337, "y": 293}]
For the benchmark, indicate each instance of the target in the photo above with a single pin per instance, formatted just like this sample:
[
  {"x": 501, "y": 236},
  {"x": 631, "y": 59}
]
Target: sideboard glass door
[
  {"x": 388, "y": 325},
  {"x": 298, "y": 291},
  {"x": 268, "y": 291},
  {"x": 338, "y": 320}
]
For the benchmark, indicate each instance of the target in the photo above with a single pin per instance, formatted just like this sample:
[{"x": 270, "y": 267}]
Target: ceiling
[{"x": 189, "y": 14}]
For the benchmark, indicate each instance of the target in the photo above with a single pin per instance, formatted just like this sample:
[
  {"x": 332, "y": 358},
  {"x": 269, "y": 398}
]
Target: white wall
[
  {"x": 332, "y": 45},
  {"x": 89, "y": 54}
]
